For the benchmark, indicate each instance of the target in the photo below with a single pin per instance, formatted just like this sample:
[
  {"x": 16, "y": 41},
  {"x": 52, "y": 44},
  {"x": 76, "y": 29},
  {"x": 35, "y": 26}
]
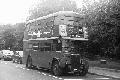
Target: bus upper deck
[{"x": 63, "y": 23}]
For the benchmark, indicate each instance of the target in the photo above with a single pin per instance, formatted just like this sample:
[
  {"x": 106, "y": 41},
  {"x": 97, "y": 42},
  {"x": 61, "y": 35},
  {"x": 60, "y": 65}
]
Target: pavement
[{"x": 105, "y": 72}]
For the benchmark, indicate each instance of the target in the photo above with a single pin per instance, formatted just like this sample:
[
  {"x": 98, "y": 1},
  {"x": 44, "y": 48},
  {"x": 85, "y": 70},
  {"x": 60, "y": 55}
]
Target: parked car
[
  {"x": 6, "y": 55},
  {"x": 17, "y": 57},
  {"x": 1, "y": 55}
]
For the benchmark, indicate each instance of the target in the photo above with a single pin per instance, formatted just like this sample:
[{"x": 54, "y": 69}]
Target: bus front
[
  {"x": 74, "y": 52},
  {"x": 73, "y": 32}
]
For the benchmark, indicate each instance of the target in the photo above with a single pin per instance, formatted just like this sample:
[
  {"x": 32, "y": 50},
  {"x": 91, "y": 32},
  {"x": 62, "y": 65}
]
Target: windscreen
[{"x": 79, "y": 47}]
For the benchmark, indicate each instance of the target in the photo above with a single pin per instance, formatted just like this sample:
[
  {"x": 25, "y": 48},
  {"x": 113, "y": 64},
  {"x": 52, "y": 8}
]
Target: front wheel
[
  {"x": 83, "y": 71},
  {"x": 56, "y": 70},
  {"x": 29, "y": 63}
]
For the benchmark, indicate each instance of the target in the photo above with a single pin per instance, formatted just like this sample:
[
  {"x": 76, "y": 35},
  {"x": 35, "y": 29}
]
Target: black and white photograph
[{"x": 59, "y": 39}]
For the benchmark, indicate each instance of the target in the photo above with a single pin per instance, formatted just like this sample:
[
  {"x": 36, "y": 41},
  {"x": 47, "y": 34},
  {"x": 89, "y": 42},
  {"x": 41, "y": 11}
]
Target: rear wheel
[
  {"x": 29, "y": 63},
  {"x": 56, "y": 70}
]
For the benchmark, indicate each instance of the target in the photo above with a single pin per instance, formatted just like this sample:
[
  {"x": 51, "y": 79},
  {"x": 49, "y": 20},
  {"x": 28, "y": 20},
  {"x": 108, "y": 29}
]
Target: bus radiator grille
[{"x": 75, "y": 61}]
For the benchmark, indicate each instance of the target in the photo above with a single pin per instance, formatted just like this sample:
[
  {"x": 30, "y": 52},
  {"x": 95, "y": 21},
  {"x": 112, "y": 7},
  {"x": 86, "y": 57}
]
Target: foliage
[
  {"x": 105, "y": 29},
  {"x": 19, "y": 34},
  {"x": 13, "y": 36}
]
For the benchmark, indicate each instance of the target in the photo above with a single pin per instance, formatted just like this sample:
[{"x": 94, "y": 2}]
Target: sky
[{"x": 15, "y": 11}]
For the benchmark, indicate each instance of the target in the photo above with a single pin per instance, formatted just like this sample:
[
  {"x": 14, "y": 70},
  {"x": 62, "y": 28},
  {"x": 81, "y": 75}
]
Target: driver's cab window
[
  {"x": 35, "y": 46},
  {"x": 59, "y": 47}
]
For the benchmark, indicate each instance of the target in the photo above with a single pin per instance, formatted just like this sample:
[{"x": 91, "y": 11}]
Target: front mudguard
[
  {"x": 63, "y": 62},
  {"x": 85, "y": 64}
]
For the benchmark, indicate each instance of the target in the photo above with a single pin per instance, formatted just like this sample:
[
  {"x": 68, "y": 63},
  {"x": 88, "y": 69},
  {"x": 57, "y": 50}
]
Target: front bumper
[{"x": 76, "y": 64}]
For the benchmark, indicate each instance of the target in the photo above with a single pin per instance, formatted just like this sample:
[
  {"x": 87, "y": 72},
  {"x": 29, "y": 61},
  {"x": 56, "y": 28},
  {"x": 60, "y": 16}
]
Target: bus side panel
[
  {"x": 25, "y": 52},
  {"x": 35, "y": 58},
  {"x": 43, "y": 59},
  {"x": 44, "y": 53}
]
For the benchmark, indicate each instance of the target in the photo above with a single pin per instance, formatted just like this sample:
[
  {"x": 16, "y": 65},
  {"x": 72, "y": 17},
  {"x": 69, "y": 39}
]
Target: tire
[
  {"x": 83, "y": 71},
  {"x": 29, "y": 63},
  {"x": 56, "y": 70}
]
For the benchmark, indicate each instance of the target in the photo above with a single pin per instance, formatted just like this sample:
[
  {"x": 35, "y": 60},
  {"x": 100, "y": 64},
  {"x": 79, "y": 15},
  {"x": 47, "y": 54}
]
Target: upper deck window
[{"x": 56, "y": 46}]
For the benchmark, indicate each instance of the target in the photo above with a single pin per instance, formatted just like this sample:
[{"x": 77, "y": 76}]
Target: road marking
[
  {"x": 43, "y": 73},
  {"x": 38, "y": 72},
  {"x": 59, "y": 78},
  {"x": 49, "y": 75},
  {"x": 55, "y": 77},
  {"x": 16, "y": 66},
  {"x": 5, "y": 63},
  {"x": 28, "y": 69},
  {"x": 23, "y": 68}
]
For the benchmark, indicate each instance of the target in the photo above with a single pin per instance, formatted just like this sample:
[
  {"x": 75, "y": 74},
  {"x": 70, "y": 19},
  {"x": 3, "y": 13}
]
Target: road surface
[{"x": 13, "y": 71}]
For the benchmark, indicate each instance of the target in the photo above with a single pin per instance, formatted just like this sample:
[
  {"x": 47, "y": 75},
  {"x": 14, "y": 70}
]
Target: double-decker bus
[{"x": 56, "y": 42}]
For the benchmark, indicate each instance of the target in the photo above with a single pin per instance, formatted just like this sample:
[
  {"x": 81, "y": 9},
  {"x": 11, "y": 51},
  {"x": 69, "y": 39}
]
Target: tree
[
  {"x": 13, "y": 36},
  {"x": 19, "y": 34},
  {"x": 9, "y": 39},
  {"x": 104, "y": 25}
]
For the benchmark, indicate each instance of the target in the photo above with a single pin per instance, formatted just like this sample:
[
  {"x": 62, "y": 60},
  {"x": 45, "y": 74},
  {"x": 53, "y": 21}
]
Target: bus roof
[
  {"x": 81, "y": 39},
  {"x": 56, "y": 14}
]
